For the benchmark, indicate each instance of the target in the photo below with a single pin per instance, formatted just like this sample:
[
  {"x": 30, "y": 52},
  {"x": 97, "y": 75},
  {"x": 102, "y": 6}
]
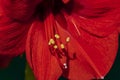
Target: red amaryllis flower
[{"x": 77, "y": 39}]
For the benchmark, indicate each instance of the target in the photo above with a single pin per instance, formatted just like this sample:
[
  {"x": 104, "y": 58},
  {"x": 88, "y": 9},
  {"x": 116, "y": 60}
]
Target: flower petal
[
  {"x": 21, "y": 10},
  {"x": 81, "y": 65},
  {"x": 95, "y": 8},
  {"x": 12, "y": 38},
  {"x": 100, "y": 27},
  {"x": 92, "y": 51},
  {"x": 15, "y": 20},
  {"x": 45, "y": 66}
]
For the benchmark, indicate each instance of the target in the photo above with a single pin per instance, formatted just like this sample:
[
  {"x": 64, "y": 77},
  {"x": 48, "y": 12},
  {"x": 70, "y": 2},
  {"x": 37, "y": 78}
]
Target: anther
[
  {"x": 67, "y": 39},
  {"x": 62, "y": 46},
  {"x": 57, "y": 36},
  {"x": 51, "y": 41},
  {"x": 55, "y": 46}
]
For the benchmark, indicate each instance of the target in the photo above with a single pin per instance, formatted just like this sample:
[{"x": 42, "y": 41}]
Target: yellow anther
[
  {"x": 55, "y": 46},
  {"x": 67, "y": 39},
  {"x": 57, "y": 36},
  {"x": 62, "y": 46},
  {"x": 51, "y": 41}
]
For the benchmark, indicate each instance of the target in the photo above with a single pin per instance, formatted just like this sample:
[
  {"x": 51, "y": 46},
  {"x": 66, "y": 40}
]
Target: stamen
[
  {"x": 55, "y": 46},
  {"x": 67, "y": 39},
  {"x": 62, "y": 46},
  {"x": 51, "y": 41},
  {"x": 57, "y": 36}
]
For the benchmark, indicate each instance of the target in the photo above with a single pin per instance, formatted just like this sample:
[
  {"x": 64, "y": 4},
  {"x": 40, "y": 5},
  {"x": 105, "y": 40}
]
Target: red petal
[
  {"x": 95, "y": 8},
  {"x": 101, "y": 27},
  {"x": 12, "y": 29},
  {"x": 44, "y": 65},
  {"x": 12, "y": 38},
  {"x": 92, "y": 51},
  {"x": 21, "y": 10},
  {"x": 82, "y": 67}
]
